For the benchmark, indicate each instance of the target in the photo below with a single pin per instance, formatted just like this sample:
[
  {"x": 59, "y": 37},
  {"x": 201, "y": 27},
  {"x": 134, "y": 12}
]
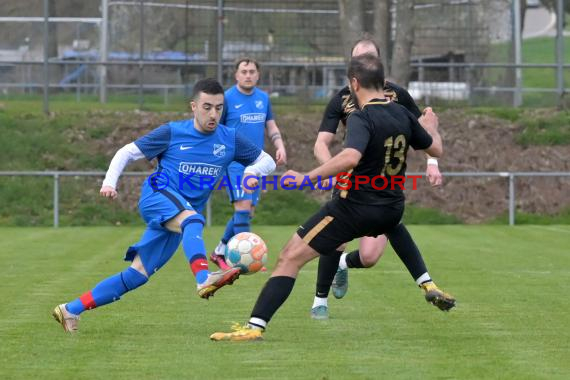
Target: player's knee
[
  {"x": 370, "y": 257},
  {"x": 195, "y": 222},
  {"x": 175, "y": 224},
  {"x": 367, "y": 262},
  {"x": 132, "y": 278}
]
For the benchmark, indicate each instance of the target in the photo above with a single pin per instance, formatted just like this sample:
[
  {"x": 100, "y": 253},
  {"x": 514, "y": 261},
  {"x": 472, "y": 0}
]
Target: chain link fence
[{"x": 463, "y": 50}]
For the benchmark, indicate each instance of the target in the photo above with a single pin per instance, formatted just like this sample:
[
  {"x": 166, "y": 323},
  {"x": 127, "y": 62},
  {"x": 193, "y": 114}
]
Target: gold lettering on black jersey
[
  {"x": 348, "y": 105},
  {"x": 395, "y": 148},
  {"x": 344, "y": 193}
]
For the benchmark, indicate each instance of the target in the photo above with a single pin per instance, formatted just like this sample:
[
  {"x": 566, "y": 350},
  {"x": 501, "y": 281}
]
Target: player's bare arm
[
  {"x": 430, "y": 124},
  {"x": 277, "y": 141},
  {"x": 433, "y": 174},
  {"x": 321, "y": 149},
  {"x": 344, "y": 161},
  {"x": 322, "y": 152}
]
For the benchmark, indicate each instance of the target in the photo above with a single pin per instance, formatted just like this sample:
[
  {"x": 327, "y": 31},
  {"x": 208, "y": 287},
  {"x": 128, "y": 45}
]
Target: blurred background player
[
  {"x": 191, "y": 154},
  {"x": 370, "y": 248},
  {"x": 248, "y": 110},
  {"x": 353, "y": 213}
]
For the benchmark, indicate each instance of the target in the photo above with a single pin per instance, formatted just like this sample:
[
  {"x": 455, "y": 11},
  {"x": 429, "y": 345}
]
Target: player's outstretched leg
[
  {"x": 109, "y": 290},
  {"x": 207, "y": 283},
  {"x": 406, "y": 249},
  {"x": 275, "y": 292}
]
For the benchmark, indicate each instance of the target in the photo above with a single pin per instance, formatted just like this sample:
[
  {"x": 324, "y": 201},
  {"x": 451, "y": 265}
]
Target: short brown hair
[
  {"x": 247, "y": 61},
  {"x": 368, "y": 70}
]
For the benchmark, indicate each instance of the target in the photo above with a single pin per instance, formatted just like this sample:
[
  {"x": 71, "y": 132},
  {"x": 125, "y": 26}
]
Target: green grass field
[{"x": 512, "y": 318}]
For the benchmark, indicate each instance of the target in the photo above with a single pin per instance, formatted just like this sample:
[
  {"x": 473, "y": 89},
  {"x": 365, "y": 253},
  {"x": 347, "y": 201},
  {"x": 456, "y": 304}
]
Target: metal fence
[
  {"x": 56, "y": 175},
  {"x": 147, "y": 47}
]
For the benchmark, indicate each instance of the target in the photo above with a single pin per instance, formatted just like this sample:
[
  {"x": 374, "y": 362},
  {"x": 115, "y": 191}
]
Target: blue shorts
[
  {"x": 236, "y": 191},
  {"x": 159, "y": 207},
  {"x": 155, "y": 248},
  {"x": 158, "y": 245}
]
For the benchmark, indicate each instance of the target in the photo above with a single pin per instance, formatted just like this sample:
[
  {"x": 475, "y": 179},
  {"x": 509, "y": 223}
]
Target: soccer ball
[{"x": 246, "y": 251}]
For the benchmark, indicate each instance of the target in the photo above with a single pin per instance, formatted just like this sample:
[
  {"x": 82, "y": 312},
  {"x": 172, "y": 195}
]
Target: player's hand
[
  {"x": 429, "y": 119},
  {"x": 433, "y": 175},
  {"x": 293, "y": 179},
  {"x": 108, "y": 192},
  {"x": 281, "y": 156},
  {"x": 251, "y": 181},
  {"x": 326, "y": 182}
]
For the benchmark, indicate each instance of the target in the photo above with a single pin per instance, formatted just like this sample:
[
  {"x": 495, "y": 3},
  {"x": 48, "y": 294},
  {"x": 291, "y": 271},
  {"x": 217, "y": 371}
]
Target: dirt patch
[{"x": 473, "y": 143}]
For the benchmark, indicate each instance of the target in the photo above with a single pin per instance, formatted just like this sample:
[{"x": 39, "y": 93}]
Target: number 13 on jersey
[{"x": 395, "y": 149}]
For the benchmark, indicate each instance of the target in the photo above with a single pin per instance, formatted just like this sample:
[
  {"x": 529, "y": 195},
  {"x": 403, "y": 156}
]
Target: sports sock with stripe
[
  {"x": 109, "y": 290},
  {"x": 241, "y": 221},
  {"x": 272, "y": 296},
  {"x": 194, "y": 247}
]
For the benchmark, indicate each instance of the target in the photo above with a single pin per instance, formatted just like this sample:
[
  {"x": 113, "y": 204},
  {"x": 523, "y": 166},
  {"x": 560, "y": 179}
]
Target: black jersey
[
  {"x": 382, "y": 131},
  {"x": 341, "y": 105}
]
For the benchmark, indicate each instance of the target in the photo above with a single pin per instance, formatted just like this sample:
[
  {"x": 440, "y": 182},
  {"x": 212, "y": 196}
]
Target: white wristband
[{"x": 432, "y": 161}]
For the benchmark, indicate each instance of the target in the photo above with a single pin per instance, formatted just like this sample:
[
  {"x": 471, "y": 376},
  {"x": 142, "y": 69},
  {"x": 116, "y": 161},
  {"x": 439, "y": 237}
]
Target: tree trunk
[
  {"x": 382, "y": 30},
  {"x": 351, "y": 23},
  {"x": 401, "y": 70}
]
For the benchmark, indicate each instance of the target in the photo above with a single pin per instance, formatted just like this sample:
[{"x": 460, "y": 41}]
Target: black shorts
[{"x": 340, "y": 221}]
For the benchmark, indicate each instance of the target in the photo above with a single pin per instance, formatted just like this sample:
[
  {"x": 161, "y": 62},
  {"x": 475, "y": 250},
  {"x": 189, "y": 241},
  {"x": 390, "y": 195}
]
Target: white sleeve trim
[
  {"x": 126, "y": 154},
  {"x": 263, "y": 165}
]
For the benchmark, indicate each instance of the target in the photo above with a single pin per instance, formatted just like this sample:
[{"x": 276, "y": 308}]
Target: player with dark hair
[
  {"x": 370, "y": 248},
  {"x": 192, "y": 155},
  {"x": 248, "y": 110},
  {"x": 378, "y": 137}
]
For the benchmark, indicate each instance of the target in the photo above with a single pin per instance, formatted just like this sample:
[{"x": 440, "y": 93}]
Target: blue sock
[
  {"x": 241, "y": 221},
  {"x": 109, "y": 290},
  {"x": 229, "y": 232},
  {"x": 194, "y": 247}
]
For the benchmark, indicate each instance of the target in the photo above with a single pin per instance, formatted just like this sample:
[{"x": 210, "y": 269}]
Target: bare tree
[
  {"x": 351, "y": 19},
  {"x": 382, "y": 29},
  {"x": 404, "y": 39}
]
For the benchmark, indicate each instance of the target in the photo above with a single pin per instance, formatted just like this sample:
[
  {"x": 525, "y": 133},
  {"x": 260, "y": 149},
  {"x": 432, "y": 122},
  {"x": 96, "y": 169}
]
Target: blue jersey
[
  {"x": 247, "y": 113},
  {"x": 191, "y": 162}
]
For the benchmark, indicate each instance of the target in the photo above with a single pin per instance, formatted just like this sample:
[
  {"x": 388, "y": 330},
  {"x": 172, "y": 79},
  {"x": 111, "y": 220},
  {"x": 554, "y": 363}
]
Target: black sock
[
  {"x": 328, "y": 265},
  {"x": 353, "y": 260},
  {"x": 272, "y": 296},
  {"x": 407, "y": 250}
]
